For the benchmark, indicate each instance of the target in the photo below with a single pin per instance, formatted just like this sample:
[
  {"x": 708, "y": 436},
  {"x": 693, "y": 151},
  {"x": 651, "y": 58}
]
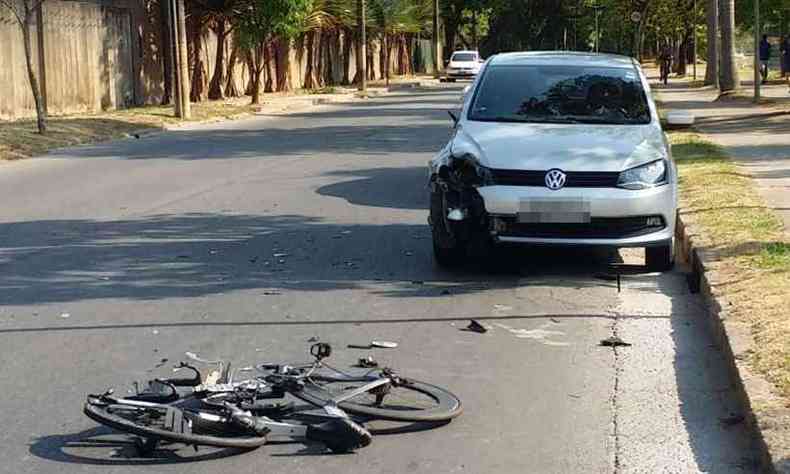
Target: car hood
[{"x": 575, "y": 147}]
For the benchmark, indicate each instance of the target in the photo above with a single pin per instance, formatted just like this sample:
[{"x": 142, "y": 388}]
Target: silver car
[{"x": 555, "y": 148}]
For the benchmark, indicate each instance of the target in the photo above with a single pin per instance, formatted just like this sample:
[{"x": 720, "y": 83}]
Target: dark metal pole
[
  {"x": 757, "y": 30},
  {"x": 694, "y": 39},
  {"x": 436, "y": 45}
]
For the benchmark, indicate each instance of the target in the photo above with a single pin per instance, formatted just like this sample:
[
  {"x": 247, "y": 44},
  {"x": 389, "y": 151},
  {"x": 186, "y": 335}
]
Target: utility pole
[
  {"x": 436, "y": 45},
  {"x": 178, "y": 54},
  {"x": 362, "y": 47},
  {"x": 183, "y": 61},
  {"x": 716, "y": 59},
  {"x": 757, "y": 31}
]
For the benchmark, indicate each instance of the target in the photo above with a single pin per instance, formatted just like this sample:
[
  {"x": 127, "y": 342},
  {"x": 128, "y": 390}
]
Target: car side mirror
[{"x": 679, "y": 119}]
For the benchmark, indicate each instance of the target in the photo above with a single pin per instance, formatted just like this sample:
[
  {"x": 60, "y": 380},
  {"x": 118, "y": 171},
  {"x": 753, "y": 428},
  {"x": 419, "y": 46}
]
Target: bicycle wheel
[
  {"x": 172, "y": 424},
  {"x": 410, "y": 400}
]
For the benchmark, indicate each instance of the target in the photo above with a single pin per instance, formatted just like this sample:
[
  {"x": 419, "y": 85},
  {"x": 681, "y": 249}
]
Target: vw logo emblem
[{"x": 555, "y": 179}]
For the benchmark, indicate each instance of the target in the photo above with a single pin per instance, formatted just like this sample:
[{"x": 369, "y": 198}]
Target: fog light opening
[{"x": 654, "y": 222}]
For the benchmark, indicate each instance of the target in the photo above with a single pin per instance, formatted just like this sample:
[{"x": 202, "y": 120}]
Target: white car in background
[
  {"x": 463, "y": 65},
  {"x": 555, "y": 148}
]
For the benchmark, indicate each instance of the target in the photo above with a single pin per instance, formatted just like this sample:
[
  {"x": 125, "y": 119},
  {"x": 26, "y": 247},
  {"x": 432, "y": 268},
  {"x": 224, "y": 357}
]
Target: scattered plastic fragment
[
  {"x": 474, "y": 326},
  {"x": 65, "y": 315},
  {"x": 367, "y": 362},
  {"x": 732, "y": 420},
  {"x": 614, "y": 341}
]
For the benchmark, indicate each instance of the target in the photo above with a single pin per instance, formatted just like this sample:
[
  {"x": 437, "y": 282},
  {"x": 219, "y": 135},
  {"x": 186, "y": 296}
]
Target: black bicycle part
[
  {"x": 178, "y": 426},
  {"x": 320, "y": 350},
  {"x": 442, "y": 405},
  {"x": 340, "y": 435}
]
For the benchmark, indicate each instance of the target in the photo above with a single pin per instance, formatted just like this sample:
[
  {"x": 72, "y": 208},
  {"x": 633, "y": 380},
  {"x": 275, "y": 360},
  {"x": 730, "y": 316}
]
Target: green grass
[{"x": 721, "y": 203}]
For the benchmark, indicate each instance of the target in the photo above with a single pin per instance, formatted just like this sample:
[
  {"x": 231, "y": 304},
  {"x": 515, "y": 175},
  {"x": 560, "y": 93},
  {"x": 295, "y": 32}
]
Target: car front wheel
[
  {"x": 447, "y": 251},
  {"x": 659, "y": 258}
]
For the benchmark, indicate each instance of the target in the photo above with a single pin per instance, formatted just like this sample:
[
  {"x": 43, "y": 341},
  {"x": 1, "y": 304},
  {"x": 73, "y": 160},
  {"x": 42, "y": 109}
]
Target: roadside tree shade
[{"x": 729, "y": 68}]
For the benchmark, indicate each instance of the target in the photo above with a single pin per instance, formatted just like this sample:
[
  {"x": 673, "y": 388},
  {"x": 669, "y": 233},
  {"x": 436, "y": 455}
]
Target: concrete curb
[{"x": 766, "y": 413}]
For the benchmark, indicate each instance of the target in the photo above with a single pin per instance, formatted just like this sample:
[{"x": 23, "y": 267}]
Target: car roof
[{"x": 561, "y": 58}]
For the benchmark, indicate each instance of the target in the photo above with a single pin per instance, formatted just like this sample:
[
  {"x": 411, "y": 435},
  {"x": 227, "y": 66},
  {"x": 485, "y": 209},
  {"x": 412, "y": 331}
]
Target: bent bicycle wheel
[
  {"x": 170, "y": 424},
  {"x": 409, "y": 401}
]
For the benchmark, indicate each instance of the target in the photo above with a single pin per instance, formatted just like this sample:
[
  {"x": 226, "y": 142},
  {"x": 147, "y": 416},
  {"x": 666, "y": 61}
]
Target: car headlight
[
  {"x": 469, "y": 172},
  {"x": 645, "y": 176}
]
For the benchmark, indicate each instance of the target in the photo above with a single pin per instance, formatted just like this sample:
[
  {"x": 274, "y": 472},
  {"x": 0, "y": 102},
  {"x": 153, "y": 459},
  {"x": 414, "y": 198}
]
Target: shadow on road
[
  {"x": 112, "y": 449},
  {"x": 197, "y": 254}
]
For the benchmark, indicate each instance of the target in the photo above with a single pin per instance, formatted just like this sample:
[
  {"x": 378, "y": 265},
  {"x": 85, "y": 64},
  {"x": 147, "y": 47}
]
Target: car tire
[
  {"x": 659, "y": 258},
  {"x": 447, "y": 252}
]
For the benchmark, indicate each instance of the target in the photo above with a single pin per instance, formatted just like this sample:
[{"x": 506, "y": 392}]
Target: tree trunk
[
  {"x": 282, "y": 59},
  {"x": 269, "y": 67},
  {"x": 198, "y": 91},
  {"x": 215, "y": 87},
  {"x": 231, "y": 90},
  {"x": 346, "y": 57},
  {"x": 712, "y": 67},
  {"x": 250, "y": 69},
  {"x": 41, "y": 114},
  {"x": 257, "y": 60},
  {"x": 165, "y": 22},
  {"x": 319, "y": 58},
  {"x": 729, "y": 68},
  {"x": 309, "y": 73}
]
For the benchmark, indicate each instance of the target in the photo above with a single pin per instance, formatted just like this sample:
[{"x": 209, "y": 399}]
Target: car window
[
  {"x": 464, "y": 57},
  {"x": 560, "y": 94}
]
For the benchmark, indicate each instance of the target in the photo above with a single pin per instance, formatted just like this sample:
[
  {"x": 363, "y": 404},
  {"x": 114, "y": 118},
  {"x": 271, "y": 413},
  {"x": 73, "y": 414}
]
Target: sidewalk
[
  {"x": 734, "y": 166},
  {"x": 756, "y": 137}
]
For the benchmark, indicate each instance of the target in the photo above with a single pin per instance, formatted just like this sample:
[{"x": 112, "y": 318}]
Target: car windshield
[
  {"x": 463, "y": 57},
  {"x": 560, "y": 94}
]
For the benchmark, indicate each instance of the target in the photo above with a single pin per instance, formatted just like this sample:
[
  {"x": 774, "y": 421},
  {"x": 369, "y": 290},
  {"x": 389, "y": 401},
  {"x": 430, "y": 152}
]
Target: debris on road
[
  {"x": 280, "y": 255},
  {"x": 367, "y": 362},
  {"x": 474, "y": 326},
  {"x": 155, "y": 332},
  {"x": 271, "y": 293},
  {"x": 445, "y": 292},
  {"x": 162, "y": 362},
  {"x": 314, "y": 339},
  {"x": 65, "y": 315},
  {"x": 554, "y": 320},
  {"x": 732, "y": 420},
  {"x": 378, "y": 344},
  {"x": 614, "y": 341}
]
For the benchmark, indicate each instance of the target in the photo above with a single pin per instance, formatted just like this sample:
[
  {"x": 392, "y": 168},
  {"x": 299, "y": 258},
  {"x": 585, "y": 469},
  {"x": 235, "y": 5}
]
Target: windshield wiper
[{"x": 551, "y": 120}]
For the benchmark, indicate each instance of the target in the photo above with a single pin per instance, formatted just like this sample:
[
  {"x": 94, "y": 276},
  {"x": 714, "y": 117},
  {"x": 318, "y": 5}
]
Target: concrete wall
[{"x": 88, "y": 58}]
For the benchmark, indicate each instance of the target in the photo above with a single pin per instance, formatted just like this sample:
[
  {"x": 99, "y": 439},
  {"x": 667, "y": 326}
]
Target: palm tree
[
  {"x": 729, "y": 69},
  {"x": 394, "y": 19}
]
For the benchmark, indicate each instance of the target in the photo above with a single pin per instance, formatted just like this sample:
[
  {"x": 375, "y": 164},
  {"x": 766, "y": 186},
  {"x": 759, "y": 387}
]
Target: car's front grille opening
[
  {"x": 597, "y": 228},
  {"x": 574, "y": 179}
]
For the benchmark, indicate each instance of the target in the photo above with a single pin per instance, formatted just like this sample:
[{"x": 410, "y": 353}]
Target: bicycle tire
[
  {"x": 448, "y": 406},
  {"x": 100, "y": 415}
]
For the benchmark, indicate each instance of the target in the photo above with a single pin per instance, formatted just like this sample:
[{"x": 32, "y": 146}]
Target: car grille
[
  {"x": 598, "y": 228},
  {"x": 575, "y": 179}
]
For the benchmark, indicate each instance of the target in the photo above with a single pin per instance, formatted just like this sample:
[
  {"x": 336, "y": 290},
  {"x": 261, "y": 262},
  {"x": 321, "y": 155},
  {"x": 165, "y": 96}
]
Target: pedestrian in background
[{"x": 765, "y": 56}]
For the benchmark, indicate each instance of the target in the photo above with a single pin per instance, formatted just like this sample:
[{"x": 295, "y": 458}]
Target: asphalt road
[{"x": 245, "y": 239}]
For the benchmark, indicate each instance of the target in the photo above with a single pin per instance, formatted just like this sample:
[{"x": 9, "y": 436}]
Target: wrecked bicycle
[{"x": 221, "y": 411}]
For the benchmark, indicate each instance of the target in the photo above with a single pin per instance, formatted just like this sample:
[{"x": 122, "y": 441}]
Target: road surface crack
[{"x": 615, "y": 395}]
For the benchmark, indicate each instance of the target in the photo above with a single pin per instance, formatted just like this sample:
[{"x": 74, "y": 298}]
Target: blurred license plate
[{"x": 554, "y": 212}]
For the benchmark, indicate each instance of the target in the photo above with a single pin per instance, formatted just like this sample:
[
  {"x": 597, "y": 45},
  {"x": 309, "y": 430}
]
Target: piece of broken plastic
[{"x": 384, "y": 344}]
